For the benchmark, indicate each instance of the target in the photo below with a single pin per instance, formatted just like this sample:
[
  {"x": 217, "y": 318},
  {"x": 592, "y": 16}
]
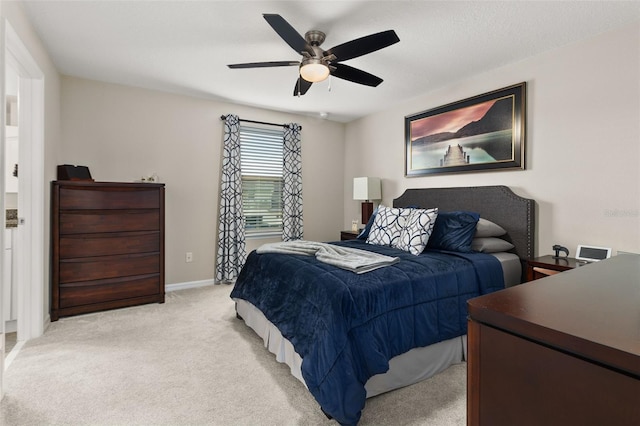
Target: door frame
[
  {"x": 30, "y": 238},
  {"x": 2, "y": 188}
]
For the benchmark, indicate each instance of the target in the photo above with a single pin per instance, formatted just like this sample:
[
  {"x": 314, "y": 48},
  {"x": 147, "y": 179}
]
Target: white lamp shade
[
  {"x": 366, "y": 188},
  {"x": 314, "y": 73}
]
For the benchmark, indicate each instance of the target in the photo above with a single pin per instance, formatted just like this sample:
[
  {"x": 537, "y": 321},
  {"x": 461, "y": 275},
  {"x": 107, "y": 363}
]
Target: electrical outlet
[{"x": 188, "y": 257}]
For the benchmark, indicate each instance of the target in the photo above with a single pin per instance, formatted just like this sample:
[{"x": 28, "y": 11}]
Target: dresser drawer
[
  {"x": 99, "y": 198},
  {"x": 82, "y": 222},
  {"x": 76, "y": 294},
  {"x": 95, "y": 268},
  {"x": 84, "y": 245}
]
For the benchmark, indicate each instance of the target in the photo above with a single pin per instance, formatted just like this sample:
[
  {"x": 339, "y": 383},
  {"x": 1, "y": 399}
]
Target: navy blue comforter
[{"x": 346, "y": 327}]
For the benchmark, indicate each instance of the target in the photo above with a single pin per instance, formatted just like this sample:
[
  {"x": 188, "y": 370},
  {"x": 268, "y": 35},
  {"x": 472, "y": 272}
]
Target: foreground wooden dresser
[
  {"x": 107, "y": 246},
  {"x": 562, "y": 350}
]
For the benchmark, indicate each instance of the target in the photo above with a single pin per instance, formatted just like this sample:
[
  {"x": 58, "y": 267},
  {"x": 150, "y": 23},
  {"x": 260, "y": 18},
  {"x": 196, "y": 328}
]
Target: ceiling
[{"x": 184, "y": 46}]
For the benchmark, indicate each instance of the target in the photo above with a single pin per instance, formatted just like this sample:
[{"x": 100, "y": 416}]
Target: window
[{"x": 261, "y": 164}]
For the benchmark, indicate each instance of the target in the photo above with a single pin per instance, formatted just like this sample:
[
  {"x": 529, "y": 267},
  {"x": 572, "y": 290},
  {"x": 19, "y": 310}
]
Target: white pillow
[
  {"x": 387, "y": 225},
  {"x": 417, "y": 230}
]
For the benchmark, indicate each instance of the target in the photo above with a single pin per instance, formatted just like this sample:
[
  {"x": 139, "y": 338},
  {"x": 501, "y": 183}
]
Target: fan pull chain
[{"x": 329, "y": 82}]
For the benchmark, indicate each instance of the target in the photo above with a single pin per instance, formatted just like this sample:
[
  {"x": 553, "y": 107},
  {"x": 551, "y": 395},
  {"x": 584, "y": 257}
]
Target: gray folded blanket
[{"x": 354, "y": 260}]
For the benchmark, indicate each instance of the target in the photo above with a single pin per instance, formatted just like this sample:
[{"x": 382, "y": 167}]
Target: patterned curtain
[
  {"x": 231, "y": 244},
  {"x": 292, "y": 184}
]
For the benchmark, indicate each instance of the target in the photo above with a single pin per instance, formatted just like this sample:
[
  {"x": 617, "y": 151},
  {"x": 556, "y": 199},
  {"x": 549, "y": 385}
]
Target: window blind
[{"x": 261, "y": 165}]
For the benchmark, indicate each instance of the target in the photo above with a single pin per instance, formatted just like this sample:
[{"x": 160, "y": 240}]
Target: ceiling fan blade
[
  {"x": 302, "y": 86},
  {"x": 363, "y": 45},
  {"x": 288, "y": 33},
  {"x": 355, "y": 75},
  {"x": 264, "y": 64}
]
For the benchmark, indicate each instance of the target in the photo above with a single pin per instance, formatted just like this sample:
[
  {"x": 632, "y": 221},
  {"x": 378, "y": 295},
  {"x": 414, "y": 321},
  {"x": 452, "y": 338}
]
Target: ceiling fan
[{"x": 317, "y": 64}]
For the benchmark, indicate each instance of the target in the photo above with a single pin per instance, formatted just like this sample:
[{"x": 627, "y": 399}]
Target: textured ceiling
[{"x": 184, "y": 46}]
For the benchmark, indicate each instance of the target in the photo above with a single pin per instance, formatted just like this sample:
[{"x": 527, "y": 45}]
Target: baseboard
[
  {"x": 47, "y": 323},
  {"x": 13, "y": 354},
  {"x": 189, "y": 284}
]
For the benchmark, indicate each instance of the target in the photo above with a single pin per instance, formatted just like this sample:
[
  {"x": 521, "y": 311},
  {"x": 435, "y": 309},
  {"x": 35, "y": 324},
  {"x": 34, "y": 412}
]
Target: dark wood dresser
[
  {"x": 563, "y": 350},
  {"x": 107, "y": 246}
]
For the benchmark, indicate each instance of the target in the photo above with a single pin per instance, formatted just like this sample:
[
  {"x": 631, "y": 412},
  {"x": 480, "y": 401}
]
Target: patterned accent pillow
[
  {"x": 387, "y": 225},
  {"x": 417, "y": 230}
]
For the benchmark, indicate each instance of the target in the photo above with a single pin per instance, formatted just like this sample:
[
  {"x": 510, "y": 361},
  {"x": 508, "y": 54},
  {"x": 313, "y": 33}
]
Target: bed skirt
[{"x": 406, "y": 369}]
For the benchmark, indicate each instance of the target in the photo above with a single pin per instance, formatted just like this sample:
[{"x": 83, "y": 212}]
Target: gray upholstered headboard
[{"x": 498, "y": 204}]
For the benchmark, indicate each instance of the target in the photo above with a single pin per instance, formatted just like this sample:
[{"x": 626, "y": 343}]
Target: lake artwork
[{"x": 467, "y": 137}]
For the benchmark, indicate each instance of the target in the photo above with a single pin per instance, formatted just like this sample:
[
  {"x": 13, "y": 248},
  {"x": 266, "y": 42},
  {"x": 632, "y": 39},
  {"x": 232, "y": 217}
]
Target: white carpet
[{"x": 188, "y": 361}]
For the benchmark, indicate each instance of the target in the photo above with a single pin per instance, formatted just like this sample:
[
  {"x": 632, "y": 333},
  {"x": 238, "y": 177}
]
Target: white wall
[
  {"x": 123, "y": 133},
  {"x": 582, "y": 148}
]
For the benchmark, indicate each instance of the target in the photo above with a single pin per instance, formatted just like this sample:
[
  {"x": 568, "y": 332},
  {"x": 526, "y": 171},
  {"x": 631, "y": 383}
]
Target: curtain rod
[{"x": 224, "y": 117}]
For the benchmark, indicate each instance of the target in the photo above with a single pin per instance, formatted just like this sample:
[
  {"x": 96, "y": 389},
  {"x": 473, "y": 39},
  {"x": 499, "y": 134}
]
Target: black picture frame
[{"x": 484, "y": 132}]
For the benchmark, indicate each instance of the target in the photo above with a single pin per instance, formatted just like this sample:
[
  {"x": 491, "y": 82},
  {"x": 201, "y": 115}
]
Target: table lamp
[{"x": 366, "y": 189}]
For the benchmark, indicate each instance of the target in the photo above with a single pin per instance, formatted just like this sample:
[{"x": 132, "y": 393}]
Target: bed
[{"x": 350, "y": 336}]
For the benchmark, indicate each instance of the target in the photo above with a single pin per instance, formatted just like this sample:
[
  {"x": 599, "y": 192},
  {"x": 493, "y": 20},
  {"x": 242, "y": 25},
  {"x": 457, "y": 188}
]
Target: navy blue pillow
[
  {"x": 454, "y": 231},
  {"x": 365, "y": 232}
]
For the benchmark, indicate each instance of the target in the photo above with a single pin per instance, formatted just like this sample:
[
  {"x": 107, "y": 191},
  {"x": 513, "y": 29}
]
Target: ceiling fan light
[{"x": 314, "y": 72}]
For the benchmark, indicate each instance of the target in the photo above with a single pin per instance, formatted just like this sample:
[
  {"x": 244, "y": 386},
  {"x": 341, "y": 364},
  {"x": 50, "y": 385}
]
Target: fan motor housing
[{"x": 314, "y": 37}]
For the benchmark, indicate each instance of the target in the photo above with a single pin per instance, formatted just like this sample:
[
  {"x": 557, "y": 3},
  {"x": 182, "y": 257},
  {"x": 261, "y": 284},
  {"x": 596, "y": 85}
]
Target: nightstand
[
  {"x": 544, "y": 266},
  {"x": 348, "y": 235}
]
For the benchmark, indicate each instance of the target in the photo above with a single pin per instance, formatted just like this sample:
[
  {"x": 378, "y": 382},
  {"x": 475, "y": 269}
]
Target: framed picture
[{"x": 484, "y": 132}]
